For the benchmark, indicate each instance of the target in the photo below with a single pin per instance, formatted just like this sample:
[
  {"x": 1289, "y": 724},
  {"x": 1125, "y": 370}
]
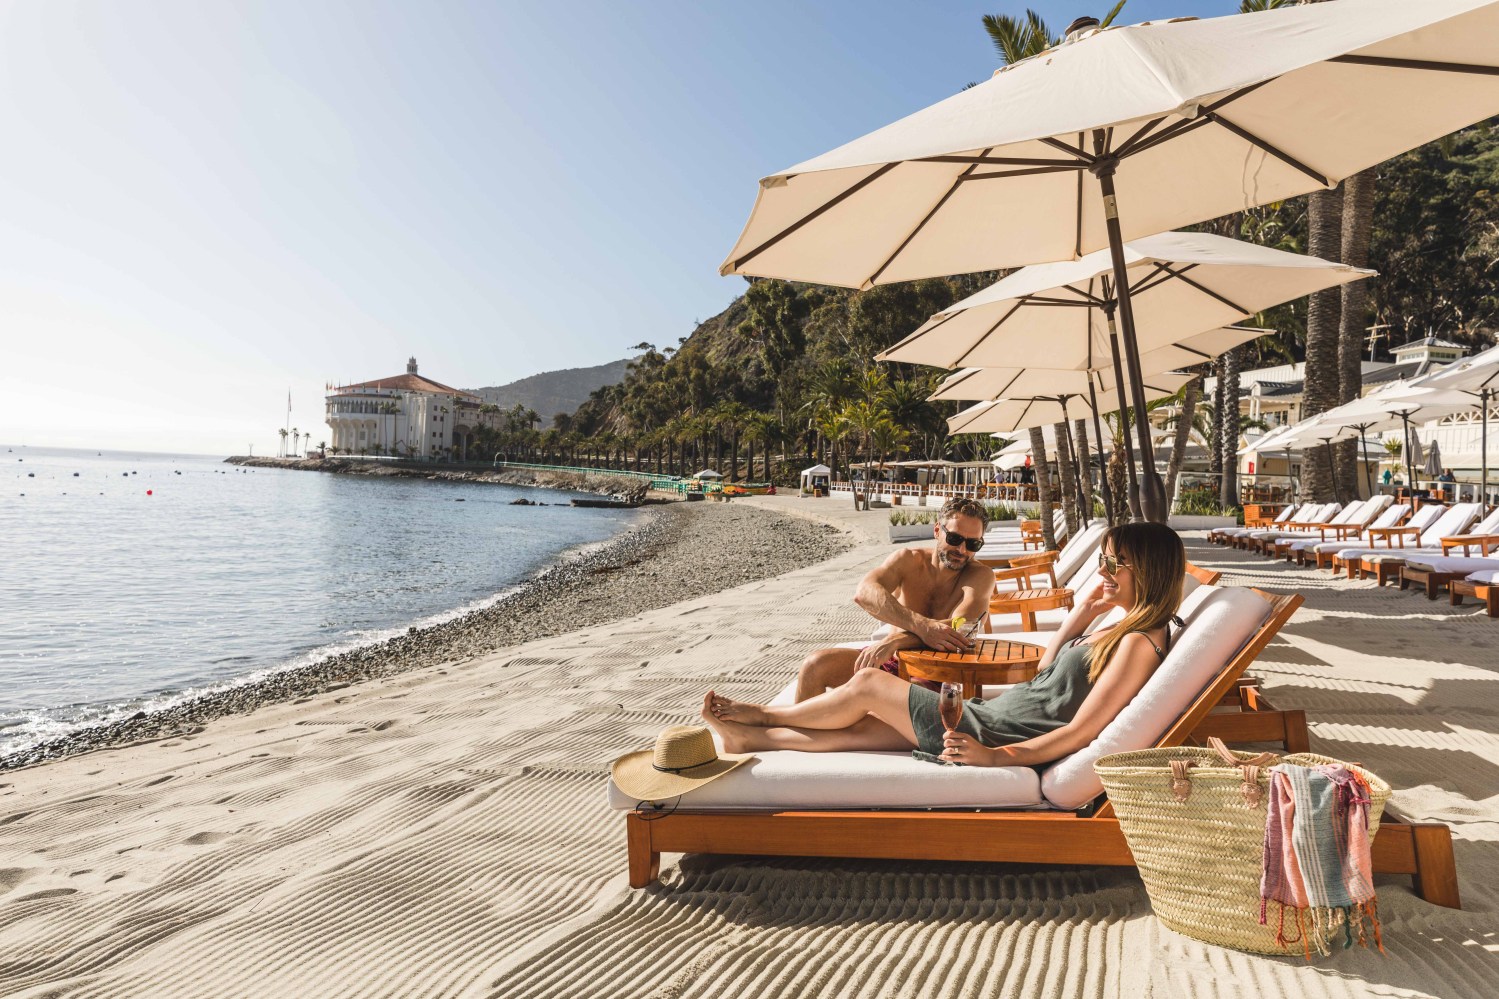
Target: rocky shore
[
  {"x": 617, "y": 487},
  {"x": 679, "y": 552}
]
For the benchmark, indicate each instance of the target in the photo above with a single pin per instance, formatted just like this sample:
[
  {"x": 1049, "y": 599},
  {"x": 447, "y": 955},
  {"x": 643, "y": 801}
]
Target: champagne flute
[{"x": 950, "y": 705}]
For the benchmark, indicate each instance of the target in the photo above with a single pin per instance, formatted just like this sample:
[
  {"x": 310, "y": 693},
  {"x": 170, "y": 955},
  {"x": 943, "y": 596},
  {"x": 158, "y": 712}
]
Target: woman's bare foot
[
  {"x": 736, "y": 738},
  {"x": 737, "y": 711}
]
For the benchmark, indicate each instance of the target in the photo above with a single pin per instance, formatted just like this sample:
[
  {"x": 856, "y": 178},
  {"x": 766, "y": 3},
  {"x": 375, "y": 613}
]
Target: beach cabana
[
  {"x": 706, "y": 473},
  {"x": 812, "y": 477}
]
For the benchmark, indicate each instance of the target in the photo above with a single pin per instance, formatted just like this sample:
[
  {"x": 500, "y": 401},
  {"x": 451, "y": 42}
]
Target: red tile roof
[{"x": 408, "y": 383}]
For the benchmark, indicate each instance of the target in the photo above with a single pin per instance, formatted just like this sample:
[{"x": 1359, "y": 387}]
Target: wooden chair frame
[
  {"x": 1089, "y": 836},
  {"x": 1486, "y": 592}
]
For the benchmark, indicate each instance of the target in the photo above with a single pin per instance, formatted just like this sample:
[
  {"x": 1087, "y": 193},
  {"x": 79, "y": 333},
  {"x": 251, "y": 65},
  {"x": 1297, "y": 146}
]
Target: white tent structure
[
  {"x": 810, "y": 476},
  {"x": 706, "y": 473}
]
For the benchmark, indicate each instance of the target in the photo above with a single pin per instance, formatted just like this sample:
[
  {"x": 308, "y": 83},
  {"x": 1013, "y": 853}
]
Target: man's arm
[{"x": 876, "y": 595}]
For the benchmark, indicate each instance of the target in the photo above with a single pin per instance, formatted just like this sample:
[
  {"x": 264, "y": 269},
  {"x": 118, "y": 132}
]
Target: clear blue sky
[{"x": 203, "y": 205}]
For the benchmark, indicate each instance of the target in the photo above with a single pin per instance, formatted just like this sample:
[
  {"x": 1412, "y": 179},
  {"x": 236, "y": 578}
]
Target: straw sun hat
[{"x": 683, "y": 759}]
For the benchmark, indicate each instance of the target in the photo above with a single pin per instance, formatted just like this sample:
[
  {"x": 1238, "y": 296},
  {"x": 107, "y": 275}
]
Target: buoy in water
[{"x": 148, "y": 492}]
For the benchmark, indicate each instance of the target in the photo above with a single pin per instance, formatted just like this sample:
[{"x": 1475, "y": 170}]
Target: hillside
[{"x": 553, "y": 392}]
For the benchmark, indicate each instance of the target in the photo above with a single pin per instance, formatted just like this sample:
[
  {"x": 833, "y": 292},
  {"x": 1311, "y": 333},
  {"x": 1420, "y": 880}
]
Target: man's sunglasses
[
  {"x": 958, "y": 541},
  {"x": 1111, "y": 564}
]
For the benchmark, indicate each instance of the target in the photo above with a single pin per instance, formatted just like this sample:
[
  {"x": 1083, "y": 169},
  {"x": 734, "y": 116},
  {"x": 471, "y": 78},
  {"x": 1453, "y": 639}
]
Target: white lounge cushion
[
  {"x": 1437, "y": 562},
  {"x": 1487, "y": 577},
  {"x": 1389, "y": 518},
  {"x": 857, "y": 780},
  {"x": 1220, "y": 622}
]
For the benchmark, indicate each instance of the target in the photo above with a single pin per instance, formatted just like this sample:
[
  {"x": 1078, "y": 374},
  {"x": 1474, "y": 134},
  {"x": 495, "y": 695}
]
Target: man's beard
[{"x": 951, "y": 559}]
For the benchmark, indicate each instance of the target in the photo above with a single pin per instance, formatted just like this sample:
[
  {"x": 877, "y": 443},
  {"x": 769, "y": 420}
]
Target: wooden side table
[
  {"x": 992, "y": 662},
  {"x": 1027, "y": 602}
]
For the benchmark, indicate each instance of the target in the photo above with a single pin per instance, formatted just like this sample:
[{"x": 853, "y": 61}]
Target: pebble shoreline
[{"x": 679, "y": 551}]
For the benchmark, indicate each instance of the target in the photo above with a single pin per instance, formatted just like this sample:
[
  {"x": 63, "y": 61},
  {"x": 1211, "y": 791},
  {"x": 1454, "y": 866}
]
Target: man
[{"x": 916, "y": 593}]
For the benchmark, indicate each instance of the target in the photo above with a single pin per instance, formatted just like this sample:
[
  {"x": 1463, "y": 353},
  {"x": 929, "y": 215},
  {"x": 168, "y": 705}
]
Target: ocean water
[{"x": 130, "y": 580}]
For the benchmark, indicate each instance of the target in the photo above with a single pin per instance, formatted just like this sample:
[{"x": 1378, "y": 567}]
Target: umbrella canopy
[
  {"x": 1433, "y": 465},
  {"x": 1009, "y": 462},
  {"x": 1124, "y": 132},
  {"x": 1058, "y": 315},
  {"x": 1035, "y": 383},
  {"x": 1479, "y": 376},
  {"x": 1413, "y": 449},
  {"x": 1205, "y": 117},
  {"x": 1006, "y": 416}
]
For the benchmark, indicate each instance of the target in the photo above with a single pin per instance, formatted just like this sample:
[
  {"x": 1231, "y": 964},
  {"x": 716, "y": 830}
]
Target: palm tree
[
  {"x": 1228, "y": 431},
  {"x": 1184, "y": 419},
  {"x": 283, "y": 432},
  {"x": 295, "y": 436},
  {"x": 1020, "y": 38},
  {"x": 1067, "y": 478},
  {"x": 1043, "y": 486}
]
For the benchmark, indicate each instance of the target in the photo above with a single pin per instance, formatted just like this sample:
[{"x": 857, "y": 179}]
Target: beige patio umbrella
[
  {"x": 1124, "y": 132},
  {"x": 1060, "y": 315},
  {"x": 1006, "y": 416}
]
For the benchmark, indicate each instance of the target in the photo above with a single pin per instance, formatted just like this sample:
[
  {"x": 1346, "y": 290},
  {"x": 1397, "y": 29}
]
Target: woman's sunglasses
[
  {"x": 1111, "y": 564},
  {"x": 958, "y": 541}
]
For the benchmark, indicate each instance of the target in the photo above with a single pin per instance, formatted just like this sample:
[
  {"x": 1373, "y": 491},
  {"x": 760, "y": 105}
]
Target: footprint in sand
[
  {"x": 49, "y": 893},
  {"x": 160, "y": 780}
]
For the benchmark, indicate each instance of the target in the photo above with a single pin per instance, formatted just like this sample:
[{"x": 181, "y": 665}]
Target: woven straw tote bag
[{"x": 1200, "y": 852}]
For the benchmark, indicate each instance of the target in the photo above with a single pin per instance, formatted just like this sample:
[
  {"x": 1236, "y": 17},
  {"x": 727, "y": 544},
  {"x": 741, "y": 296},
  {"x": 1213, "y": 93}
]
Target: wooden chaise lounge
[
  {"x": 1482, "y": 586},
  {"x": 1084, "y": 832}
]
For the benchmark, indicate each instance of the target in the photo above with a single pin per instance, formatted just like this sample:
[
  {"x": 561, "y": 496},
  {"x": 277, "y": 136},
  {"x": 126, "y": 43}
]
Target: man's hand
[
  {"x": 941, "y": 636},
  {"x": 872, "y": 656},
  {"x": 960, "y": 747}
]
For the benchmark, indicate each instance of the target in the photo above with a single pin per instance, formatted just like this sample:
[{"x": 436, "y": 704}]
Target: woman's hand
[
  {"x": 1093, "y": 603},
  {"x": 960, "y": 747}
]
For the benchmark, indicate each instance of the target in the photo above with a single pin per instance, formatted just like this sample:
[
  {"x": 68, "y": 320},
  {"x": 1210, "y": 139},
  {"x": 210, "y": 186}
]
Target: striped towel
[{"x": 1316, "y": 857}]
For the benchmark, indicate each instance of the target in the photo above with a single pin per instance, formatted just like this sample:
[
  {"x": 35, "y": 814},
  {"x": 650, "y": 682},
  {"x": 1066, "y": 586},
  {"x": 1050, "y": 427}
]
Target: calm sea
[{"x": 129, "y": 580}]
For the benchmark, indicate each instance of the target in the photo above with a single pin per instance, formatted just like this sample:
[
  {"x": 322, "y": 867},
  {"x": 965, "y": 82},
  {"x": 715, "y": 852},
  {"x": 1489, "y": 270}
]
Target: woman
[{"x": 1083, "y": 681}]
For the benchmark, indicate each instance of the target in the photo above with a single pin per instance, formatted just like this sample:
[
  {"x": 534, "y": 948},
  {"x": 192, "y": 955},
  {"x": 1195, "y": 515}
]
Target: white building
[{"x": 408, "y": 416}]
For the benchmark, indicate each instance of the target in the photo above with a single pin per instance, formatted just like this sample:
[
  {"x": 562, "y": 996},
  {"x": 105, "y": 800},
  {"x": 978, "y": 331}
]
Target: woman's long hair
[{"x": 1155, "y": 555}]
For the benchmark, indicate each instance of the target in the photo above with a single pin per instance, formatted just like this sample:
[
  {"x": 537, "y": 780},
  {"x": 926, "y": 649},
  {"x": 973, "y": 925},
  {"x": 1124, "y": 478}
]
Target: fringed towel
[{"x": 1316, "y": 860}]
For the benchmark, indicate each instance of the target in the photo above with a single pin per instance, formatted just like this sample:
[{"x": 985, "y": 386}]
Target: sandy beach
[{"x": 443, "y": 831}]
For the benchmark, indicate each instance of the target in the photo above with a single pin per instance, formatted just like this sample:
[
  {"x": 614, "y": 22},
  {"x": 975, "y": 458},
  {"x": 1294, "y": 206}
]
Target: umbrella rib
[
  {"x": 1138, "y": 143},
  {"x": 884, "y": 355},
  {"x": 962, "y": 377},
  {"x": 1042, "y": 300},
  {"x": 1181, "y": 275},
  {"x": 1088, "y": 296},
  {"x": 855, "y": 189},
  {"x": 1144, "y": 284},
  {"x": 1019, "y": 173},
  {"x": 984, "y": 159},
  {"x": 1275, "y": 151},
  {"x": 1440, "y": 67},
  {"x": 989, "y": 332},
  {"x": 1074, "y": 150},
  {"x": 1128, "y": 145},
  {"x": 951, "y": 190}
]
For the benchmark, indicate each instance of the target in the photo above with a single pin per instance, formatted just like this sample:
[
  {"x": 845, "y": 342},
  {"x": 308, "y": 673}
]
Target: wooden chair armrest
[
  {"x": 1483, "y": 542},
  {"x": 1037, "y": 559}
]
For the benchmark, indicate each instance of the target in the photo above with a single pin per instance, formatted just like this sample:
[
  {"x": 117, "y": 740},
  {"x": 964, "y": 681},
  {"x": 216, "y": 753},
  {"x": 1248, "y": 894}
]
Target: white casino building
[{"x": 405, "y": 416}]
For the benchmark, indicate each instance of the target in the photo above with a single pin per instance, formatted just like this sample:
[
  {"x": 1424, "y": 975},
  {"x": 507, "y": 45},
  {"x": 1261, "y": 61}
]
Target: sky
[{"x": 205, "y": 208}]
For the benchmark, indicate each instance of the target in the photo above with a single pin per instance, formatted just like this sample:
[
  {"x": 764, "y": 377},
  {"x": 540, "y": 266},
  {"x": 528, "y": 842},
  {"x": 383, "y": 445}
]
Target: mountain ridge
[{"x": 553, "y": 392}]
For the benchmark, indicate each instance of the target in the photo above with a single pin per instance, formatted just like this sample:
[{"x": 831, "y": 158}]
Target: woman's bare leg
[
  {"x": 869, "y": 733},
  {"x": 869, "y": 692}
]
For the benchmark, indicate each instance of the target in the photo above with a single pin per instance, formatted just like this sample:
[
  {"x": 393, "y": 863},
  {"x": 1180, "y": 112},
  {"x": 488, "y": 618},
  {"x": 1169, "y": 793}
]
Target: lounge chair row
[{"x": 1376, "y": 538}]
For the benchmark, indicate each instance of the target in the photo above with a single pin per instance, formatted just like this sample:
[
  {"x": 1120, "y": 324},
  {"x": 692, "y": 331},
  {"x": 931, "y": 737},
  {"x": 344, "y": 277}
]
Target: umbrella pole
[
  {"x": 1290, "y": 479},
  {"x": 1363, "y": 443},
  {"x": 1129, "y": 451},
  {"x": 1484, "y": 394},
  {"x": 1410, "y": 464},
  {"x": 1332, "y": 468},
  {"x": 1103, "y": 471},
  {"x": 1152, "y": 489}
]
